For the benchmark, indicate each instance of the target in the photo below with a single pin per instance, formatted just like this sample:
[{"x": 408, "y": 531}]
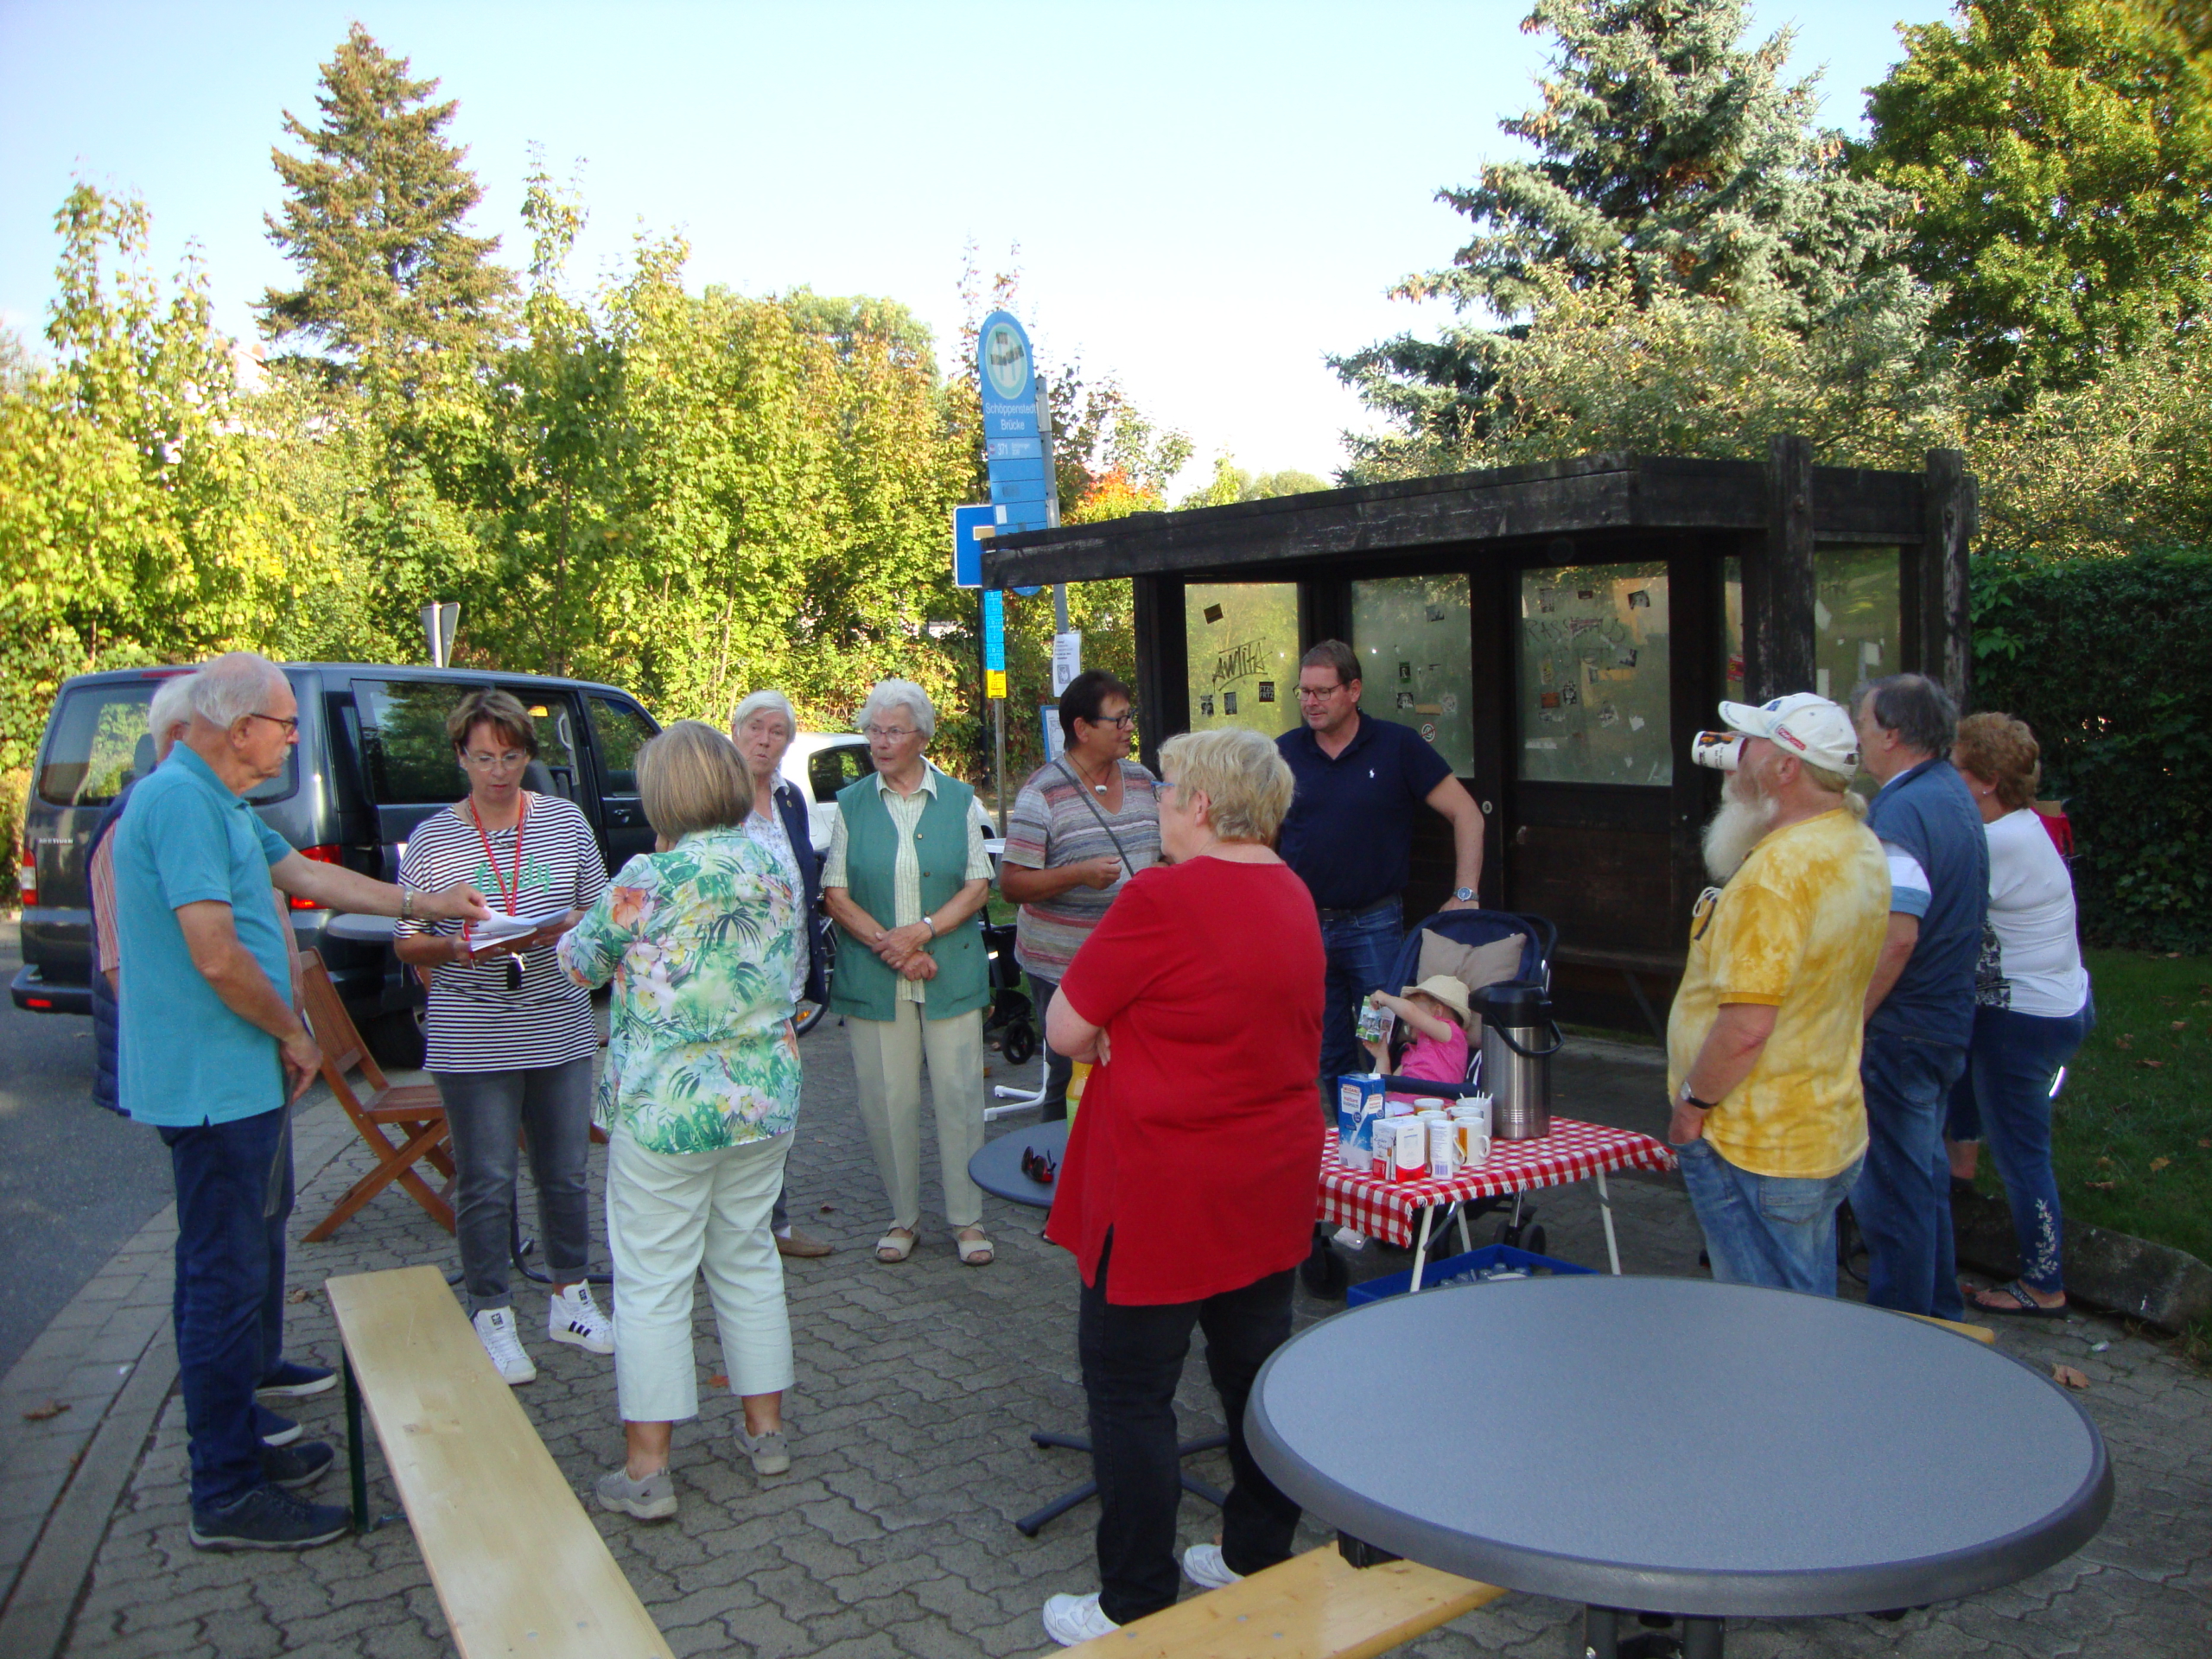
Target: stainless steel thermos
[{"x": 1519, "y": 1039}]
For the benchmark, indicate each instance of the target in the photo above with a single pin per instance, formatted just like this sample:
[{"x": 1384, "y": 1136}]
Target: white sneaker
[
  {"x": 1203, "y": 1566},
  {"x": 495, "y": 1329},
  {"x": 572, "y": 1317},
  {"x": 1071, "y": 1619}
]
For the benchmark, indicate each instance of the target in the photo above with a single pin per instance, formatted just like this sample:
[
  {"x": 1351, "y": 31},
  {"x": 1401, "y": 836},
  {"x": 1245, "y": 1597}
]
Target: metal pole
[
  {"x": 1060, "y": 607},
  {"x": 998, "y": 744}
]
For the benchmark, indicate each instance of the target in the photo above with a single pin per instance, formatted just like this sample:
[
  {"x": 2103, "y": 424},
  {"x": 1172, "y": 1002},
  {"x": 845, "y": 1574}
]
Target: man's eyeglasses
[
  {"x": 887, "y": 734},
  {"x": 1314, "y": 694},
  {"x": 1038, "y": 1166},
  {"x": 1124, "y": 720},
  {"x": 290, "y": 722}
]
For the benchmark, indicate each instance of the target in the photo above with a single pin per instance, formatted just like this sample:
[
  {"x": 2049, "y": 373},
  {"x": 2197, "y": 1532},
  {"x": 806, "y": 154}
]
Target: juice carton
[{"x": 1359, "y": 1104}]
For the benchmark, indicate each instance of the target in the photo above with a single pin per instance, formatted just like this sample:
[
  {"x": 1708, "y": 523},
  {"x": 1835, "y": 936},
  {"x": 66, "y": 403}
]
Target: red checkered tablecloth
[{"x": 1390, "y": 1211}]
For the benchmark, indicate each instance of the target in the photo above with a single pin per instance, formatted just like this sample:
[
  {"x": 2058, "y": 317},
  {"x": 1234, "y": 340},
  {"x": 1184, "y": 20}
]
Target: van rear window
[{"x": 97, "y": 743}]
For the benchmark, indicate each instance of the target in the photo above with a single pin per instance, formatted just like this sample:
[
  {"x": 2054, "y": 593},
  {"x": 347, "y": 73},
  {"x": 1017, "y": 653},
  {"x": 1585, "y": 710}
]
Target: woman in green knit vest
[{"x": 905, "y": 875}]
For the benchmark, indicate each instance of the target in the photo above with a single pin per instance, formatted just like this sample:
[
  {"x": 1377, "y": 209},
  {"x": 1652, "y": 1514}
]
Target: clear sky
[{"x": 1207, "y": 197}]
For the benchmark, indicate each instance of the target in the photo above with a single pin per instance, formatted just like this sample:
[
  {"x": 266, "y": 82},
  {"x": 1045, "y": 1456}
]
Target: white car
[{"x": 819, "y": 764}]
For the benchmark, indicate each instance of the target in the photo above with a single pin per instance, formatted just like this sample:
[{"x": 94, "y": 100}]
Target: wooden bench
[
  {"x": 1317, "y": 1606},
  {"x": 517, "y": 1566},
  {"x": 1630, "y": 965}
]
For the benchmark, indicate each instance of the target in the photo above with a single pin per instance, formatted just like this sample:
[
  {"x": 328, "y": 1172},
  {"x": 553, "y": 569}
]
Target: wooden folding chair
[{"x": 414, "y": 1110}]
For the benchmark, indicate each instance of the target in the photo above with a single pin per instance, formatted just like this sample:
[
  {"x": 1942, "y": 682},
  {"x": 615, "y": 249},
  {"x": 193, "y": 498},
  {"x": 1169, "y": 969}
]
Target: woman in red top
[{"x": 1191, "y": 1167}]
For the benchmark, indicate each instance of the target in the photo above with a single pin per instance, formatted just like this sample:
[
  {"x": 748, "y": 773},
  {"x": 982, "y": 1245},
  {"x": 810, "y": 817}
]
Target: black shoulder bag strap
[{"x": 1082, "y": 790}]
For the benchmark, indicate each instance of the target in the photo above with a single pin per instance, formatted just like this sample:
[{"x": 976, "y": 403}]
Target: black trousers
[
  {"x": 1059, "y": 1069},
  {"x": 1132, "y": 1362}
]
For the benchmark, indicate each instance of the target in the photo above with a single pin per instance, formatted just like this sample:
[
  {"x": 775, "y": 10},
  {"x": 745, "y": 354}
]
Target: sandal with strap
[
  {"x": 2018, "y": 1303},
  {"x": 895, "y": 1246},
  {"x": 973, "y": 1252}
]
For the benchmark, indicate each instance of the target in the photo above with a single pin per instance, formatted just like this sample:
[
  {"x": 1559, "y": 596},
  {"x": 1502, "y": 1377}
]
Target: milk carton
[{"x": 1359, "y": 1104}]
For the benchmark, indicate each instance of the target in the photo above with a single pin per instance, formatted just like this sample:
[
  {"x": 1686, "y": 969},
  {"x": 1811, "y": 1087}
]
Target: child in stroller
[{"x": 1435, "y": 1013}]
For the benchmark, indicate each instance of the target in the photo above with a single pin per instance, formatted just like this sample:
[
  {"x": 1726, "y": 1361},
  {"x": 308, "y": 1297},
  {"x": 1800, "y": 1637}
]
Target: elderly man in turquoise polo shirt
[{"x": 211, "y": 1055}]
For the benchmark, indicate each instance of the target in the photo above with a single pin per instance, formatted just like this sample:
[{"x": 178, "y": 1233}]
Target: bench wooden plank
[
  {"x": 1316, "y": 1605},
  {"x": 517, "y": 1566}
]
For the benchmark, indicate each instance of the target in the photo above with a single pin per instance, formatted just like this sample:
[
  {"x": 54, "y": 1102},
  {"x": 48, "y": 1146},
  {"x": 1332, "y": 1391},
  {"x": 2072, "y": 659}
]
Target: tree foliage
[
  {"x": 1669, "y": 161},
  {"x": 373, "y": 220},
  {"x": 2060, "y": 153}
]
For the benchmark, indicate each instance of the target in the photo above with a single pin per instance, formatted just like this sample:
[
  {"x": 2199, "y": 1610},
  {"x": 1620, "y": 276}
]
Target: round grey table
[
  {"x": 1681, "y": 1446},
  {"x": 997, "y": 1167}
]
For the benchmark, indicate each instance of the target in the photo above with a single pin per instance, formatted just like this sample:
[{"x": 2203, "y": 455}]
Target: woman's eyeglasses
[
  {"x": 1038, "y": 1166},
  {"x": 886, "y": 733}
]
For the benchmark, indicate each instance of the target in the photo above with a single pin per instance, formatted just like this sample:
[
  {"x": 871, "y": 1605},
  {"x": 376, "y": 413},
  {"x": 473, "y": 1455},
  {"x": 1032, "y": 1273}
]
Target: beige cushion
[{"x": 1472, "y": 965}]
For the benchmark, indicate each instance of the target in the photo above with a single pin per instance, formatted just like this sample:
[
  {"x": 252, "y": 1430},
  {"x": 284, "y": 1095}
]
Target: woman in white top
[
  {"x": 510, "y": 1038},
  {"x": 2033, "y": 1004}
]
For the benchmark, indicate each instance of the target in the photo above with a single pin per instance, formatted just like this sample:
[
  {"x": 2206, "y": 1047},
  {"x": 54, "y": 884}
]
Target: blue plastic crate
[{"x": 1458, "y": 1269}]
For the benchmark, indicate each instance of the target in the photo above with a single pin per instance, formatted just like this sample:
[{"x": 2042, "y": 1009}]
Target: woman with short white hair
[
  {"x": 762, "y": 727},
  {"x": 906, "y": 873}
]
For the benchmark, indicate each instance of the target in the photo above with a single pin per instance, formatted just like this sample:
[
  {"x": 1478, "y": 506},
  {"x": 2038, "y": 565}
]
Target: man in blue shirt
[
  {"x": 211, "y": 1054},
  {"x": 1919, "y": 1006},
  {"x": 1350, "y": 830}
]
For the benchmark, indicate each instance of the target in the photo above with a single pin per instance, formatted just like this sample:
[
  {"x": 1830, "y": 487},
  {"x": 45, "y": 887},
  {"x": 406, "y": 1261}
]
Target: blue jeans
[
  {"x": 1361, "y": 948},
  {"x": 551, "y": 1106},
  {"x": 2007, "y": 1087},
  {"x": 233, "y": 1198},
  {"x": 1903, "y": 1197},
  {"x": 1774, "y": 1230}
]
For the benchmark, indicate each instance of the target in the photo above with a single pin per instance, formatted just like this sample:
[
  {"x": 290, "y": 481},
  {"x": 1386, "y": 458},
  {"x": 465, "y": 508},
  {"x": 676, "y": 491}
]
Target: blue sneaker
[
  {"x": 266, "y": 1518},
  {"x": 272, "y": 1430},
  {"x": 293, "y": 1381},
  {"x": 293, "y": 1466}
]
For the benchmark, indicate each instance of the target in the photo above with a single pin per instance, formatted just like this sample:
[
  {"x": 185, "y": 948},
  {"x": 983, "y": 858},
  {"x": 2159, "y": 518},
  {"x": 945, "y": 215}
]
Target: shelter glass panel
[
  {"x": 1416, "y": 659},
  {"x": 1857, "y": 620},
  {"x": 1592, "y": 678},
  {"x": 1244, "y": 649}
]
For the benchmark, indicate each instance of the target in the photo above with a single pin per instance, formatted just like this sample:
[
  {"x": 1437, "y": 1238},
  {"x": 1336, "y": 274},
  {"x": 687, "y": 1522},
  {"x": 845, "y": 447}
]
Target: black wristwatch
[{"x": 1689, "y": 1099}]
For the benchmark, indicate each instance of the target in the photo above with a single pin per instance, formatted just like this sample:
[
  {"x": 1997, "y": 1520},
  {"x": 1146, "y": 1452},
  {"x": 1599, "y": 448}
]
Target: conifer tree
[
  {"x": 372, "y": 218},
  {"x": 1668, "y": 155}
]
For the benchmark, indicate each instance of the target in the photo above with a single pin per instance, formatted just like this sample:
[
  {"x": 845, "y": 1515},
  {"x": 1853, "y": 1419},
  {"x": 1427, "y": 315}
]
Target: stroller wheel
[
  {"x": 1533, "y": 1241},
  {"x": 1018, "y": 1042}
]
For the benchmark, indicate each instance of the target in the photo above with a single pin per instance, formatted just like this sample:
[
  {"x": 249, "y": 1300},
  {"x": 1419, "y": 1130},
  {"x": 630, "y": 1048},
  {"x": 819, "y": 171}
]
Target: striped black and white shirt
[{"x": 475, "y": 1023}]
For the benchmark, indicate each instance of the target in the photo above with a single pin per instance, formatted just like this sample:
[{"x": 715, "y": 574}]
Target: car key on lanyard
[{"x": 511, "y": 895}]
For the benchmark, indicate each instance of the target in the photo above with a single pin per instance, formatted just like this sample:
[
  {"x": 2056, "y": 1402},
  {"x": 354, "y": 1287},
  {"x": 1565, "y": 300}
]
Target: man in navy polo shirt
[
  {"x": 1920, "y": 1006},
  {"x": 1350, "y": 829}
]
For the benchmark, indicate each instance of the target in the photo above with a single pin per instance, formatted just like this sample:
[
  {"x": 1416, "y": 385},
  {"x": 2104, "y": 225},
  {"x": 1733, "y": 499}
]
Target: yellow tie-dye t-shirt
[{"x": 1798, "y": 928}]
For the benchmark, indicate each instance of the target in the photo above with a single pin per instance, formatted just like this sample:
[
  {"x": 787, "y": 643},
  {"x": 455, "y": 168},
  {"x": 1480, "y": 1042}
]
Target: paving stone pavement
[{"x": 918, "y": 1385}]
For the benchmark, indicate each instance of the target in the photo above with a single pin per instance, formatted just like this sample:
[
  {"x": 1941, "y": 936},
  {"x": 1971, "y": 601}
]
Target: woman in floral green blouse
[{"x": 703, "y": 939}]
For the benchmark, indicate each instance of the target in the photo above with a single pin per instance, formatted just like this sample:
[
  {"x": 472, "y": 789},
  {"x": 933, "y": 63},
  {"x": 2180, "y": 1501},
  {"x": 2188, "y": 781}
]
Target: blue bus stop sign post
[{"x": 968, "y": 546}]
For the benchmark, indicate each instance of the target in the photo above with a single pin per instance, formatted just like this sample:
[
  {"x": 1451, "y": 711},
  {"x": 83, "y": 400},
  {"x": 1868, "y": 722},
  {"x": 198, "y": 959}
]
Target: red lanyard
[{"x": 513, "y": 896}]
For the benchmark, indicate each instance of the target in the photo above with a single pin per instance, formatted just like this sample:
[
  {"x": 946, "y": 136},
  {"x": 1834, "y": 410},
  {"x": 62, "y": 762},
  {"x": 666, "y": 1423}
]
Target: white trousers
[
  {"x": 670, "y": 1216},
  {"x": 887, "y": 1066}
]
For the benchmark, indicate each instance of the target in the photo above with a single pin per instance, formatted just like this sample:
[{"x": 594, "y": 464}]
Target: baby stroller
[
  {"x": 1325, "y": 1272},
  {"x": 1009, "y": 1026}
]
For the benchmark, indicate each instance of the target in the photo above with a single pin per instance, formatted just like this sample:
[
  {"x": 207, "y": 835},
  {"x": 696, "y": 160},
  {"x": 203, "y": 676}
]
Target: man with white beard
[{"x": 1770, "y": 1119}]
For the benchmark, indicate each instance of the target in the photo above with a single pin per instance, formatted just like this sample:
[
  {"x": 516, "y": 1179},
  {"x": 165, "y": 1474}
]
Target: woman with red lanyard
[
  {"x": 1187, "y": 1192},
  {"x": 510, "y": 1038}
]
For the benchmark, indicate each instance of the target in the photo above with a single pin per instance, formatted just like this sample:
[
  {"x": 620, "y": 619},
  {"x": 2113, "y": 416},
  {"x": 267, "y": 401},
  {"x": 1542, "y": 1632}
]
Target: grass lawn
[{"x": 2132, "y": 1132}]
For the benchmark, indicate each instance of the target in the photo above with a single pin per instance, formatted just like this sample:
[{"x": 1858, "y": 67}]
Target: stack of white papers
[{"x": 502, "y": 928}]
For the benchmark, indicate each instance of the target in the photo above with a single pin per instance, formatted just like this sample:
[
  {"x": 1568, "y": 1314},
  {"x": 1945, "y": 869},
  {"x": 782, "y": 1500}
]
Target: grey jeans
[{"x": 551, "y": 1104}]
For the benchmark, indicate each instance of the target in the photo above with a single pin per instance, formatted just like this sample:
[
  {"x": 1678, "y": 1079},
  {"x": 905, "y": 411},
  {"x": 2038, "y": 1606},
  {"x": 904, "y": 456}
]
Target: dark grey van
[{"x": 372, "y": 761}]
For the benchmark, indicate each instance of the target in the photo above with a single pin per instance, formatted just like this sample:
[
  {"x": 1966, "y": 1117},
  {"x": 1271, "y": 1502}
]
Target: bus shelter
[{"x": 1559, "y": 633}]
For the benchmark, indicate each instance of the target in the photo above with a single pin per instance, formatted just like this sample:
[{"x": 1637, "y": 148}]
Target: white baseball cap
[{"x": 1810, "y": 728}]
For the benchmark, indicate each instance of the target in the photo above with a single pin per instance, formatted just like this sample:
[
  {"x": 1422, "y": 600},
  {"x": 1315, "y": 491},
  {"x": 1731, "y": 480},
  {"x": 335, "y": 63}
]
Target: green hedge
[{"x": 2110, "y": 661}]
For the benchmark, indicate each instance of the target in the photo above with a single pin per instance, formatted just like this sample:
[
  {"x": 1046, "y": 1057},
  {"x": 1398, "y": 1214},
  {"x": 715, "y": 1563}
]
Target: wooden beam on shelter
[
  {"x": 1780, "y": 584},
  {"x": 1948, "y": 508}
]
